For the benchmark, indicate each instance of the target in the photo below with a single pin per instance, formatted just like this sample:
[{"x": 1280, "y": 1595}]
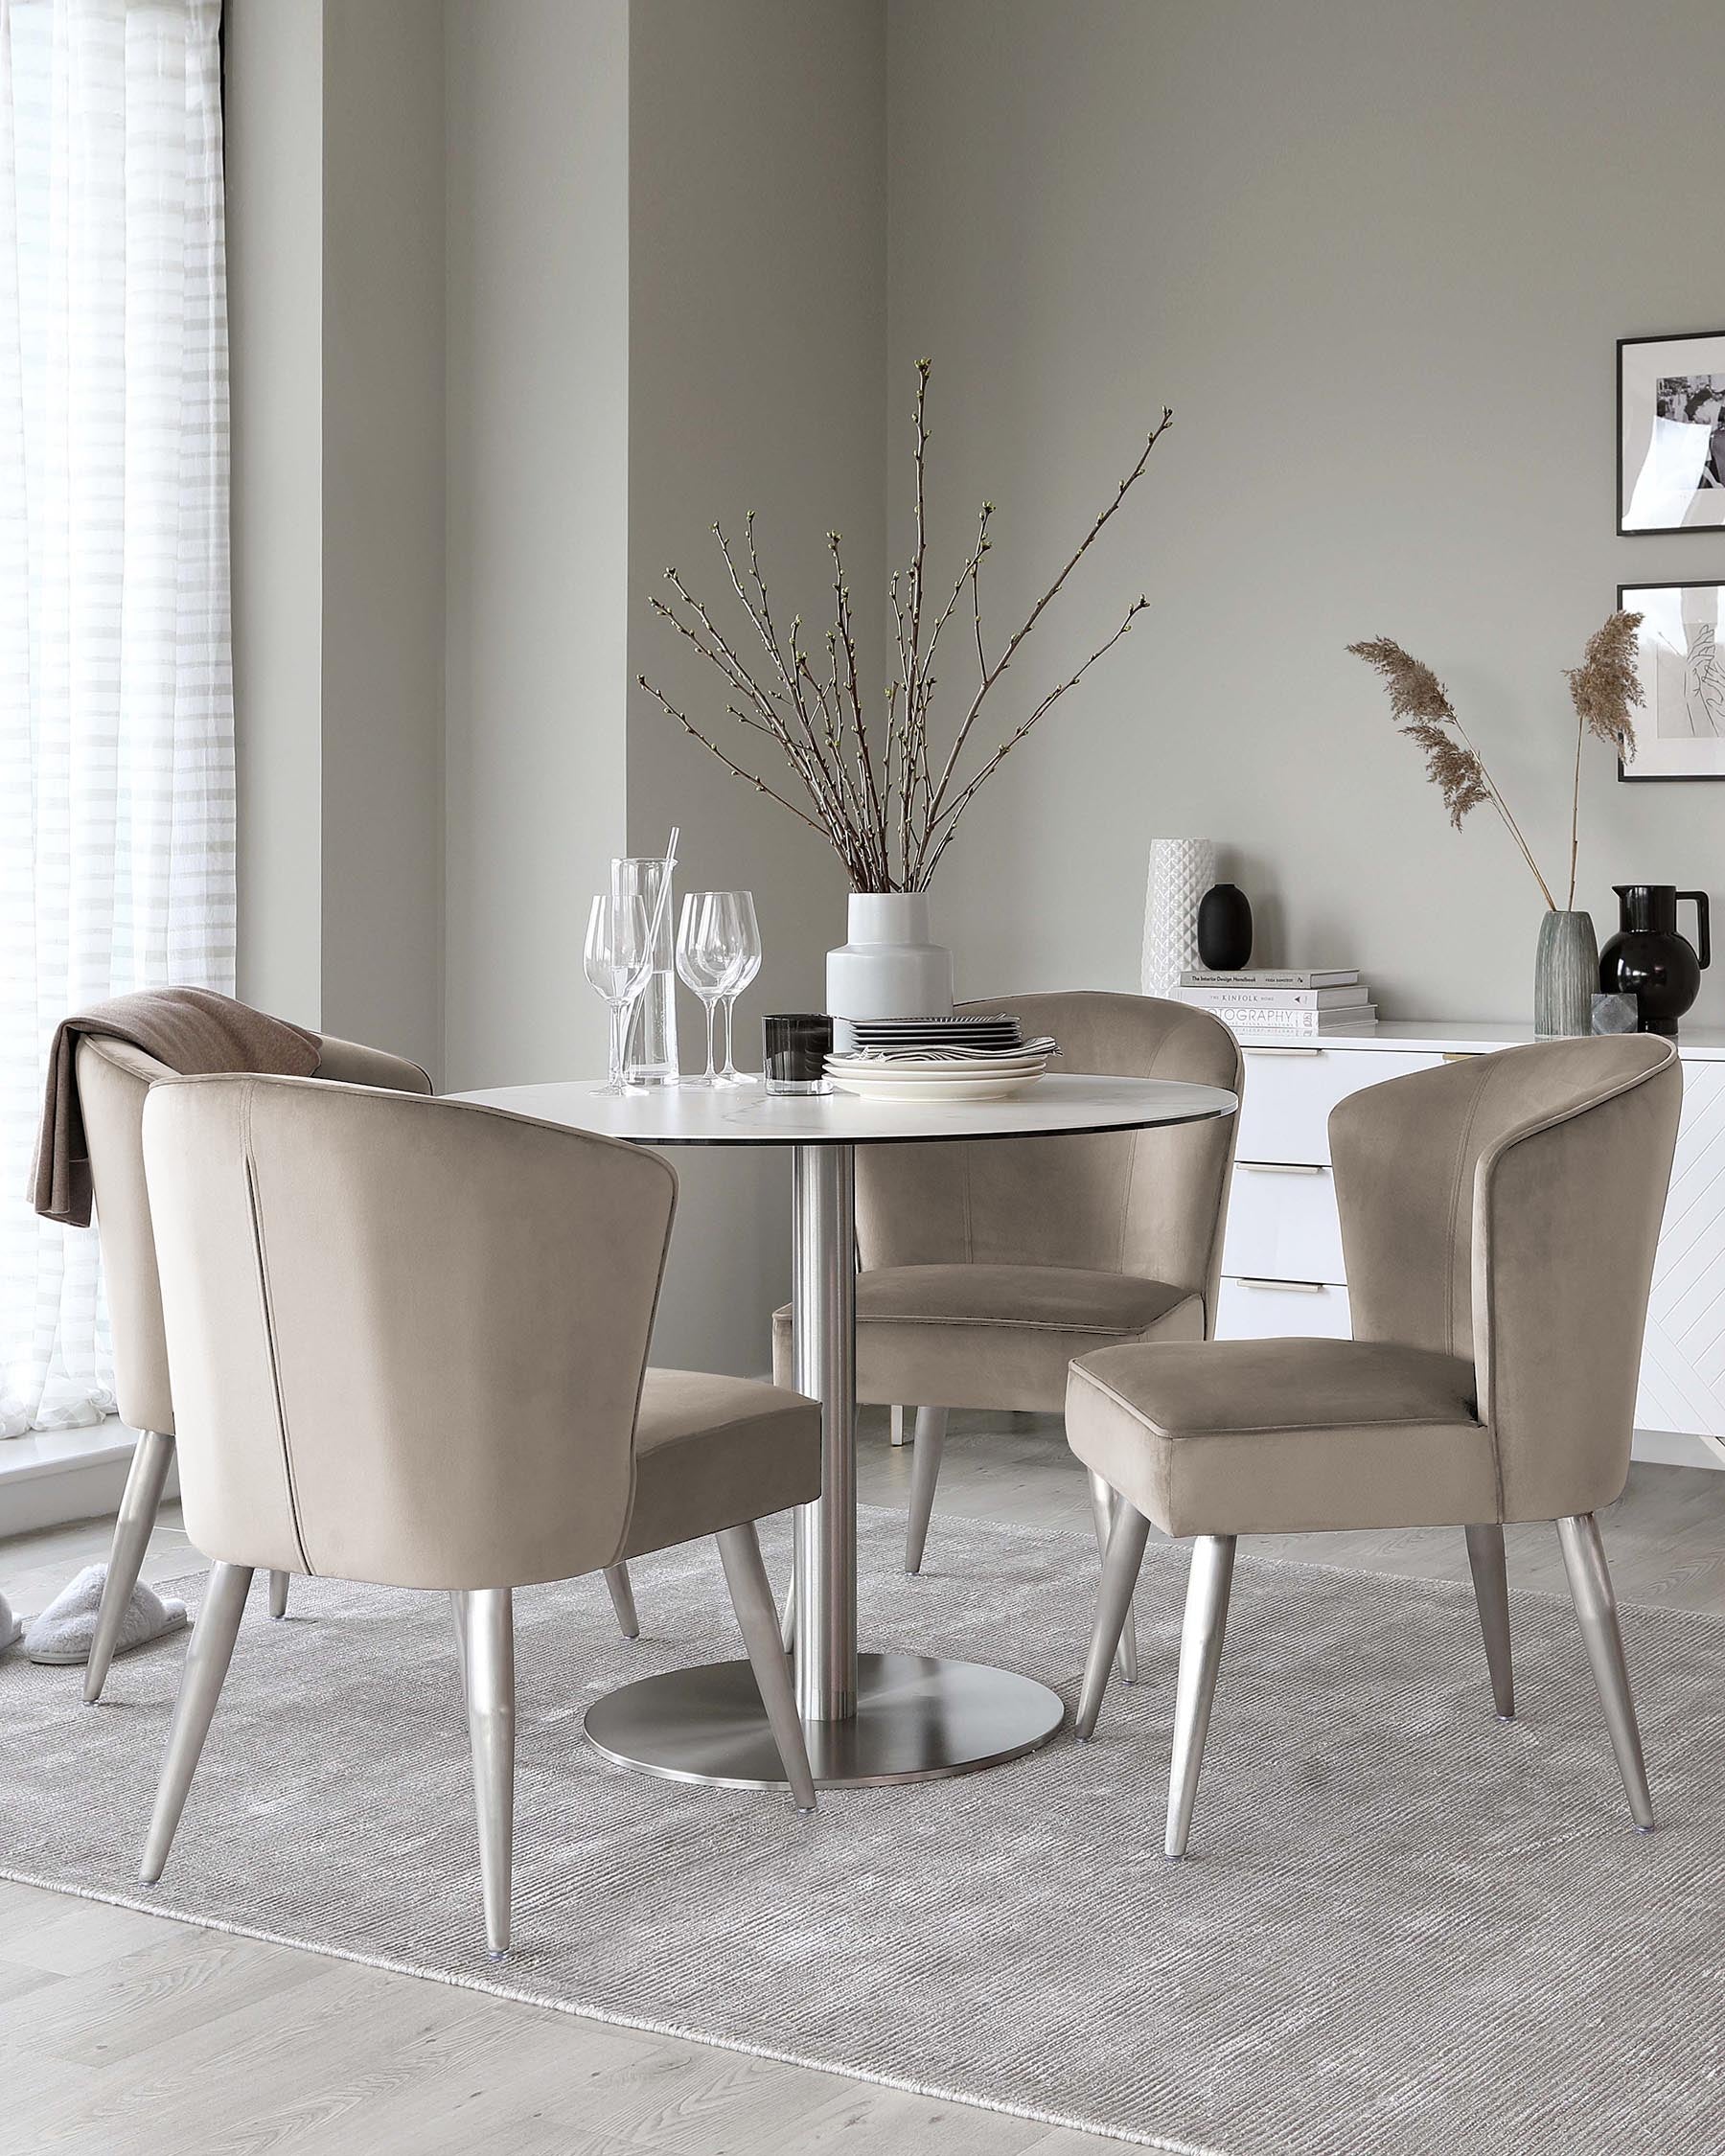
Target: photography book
[
  {"x": 1296, "y": 1026},
  {"x": 1273, "y": 976}
]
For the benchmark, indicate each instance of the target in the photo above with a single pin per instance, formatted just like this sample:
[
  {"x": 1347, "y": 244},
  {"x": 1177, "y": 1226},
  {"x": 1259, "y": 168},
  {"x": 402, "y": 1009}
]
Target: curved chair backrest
[
  {"x": 1150, "y": 1204},
  {"x": 113, "y": 1079},
  {"x": 407, "y": 1335},
  {"x": 1508, "y": 1209}
]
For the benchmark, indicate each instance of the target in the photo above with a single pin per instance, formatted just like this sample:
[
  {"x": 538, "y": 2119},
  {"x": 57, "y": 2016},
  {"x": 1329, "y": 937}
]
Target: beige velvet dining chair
[
  {"x": 113, "y": 1079},
  {"x": 986, "y": 1267},
  {"x": 409, "y": 1342},
  {"x": 1499, "y": 1222}
]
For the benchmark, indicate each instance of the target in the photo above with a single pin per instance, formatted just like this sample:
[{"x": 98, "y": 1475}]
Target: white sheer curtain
[{"x": 116, "y": 699}]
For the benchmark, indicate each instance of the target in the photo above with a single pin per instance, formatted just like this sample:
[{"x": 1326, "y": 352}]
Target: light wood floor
[{"x": 124, "y": 2034}]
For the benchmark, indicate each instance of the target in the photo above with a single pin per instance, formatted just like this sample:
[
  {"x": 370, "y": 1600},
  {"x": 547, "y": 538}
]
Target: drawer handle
[
  {"x": 1291, "y": 1051},
  {"x": 1291, "y": 1287},
  {"x": 1280, "y": 1167}
]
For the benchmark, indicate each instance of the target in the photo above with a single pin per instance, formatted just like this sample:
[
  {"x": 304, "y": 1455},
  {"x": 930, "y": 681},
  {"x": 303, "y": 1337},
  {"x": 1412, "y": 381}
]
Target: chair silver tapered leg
[
  {"x": 757, "y": 1619},
  {"x": 1491, "y": 1598},
  {"x": 489, "y": 1613},
  {"x": 458, "y": 1611},
  {"x": 1105, "y": 1503},
  {"x": 207, "y": 1660},
  {"x": 925, "y": 1473},
  {"x": 1201, "y": 1635},
  {"x": 622, "y": 1594},
  {"x": 138, "y": 1507},
  {"x": 1120, "y": 1564},
  {"x": 1596, "y": 1606},
  {"x": 278, "y": 1594},
  {"x": 788, "y": 1619}
]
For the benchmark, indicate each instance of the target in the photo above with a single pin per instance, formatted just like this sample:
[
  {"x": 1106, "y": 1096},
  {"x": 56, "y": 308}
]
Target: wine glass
[
  {"x": 618, "y": 959},
  {"x": 743, "y": 935},
  {"x": 704, "y": 959}
]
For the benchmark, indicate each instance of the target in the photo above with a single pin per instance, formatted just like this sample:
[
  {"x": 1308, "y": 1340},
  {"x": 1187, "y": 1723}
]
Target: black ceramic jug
[{"x": 1648, "y": 959}]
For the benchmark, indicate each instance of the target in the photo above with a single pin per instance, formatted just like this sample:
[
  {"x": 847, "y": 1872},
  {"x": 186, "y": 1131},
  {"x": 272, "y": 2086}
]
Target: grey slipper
[
  {"x": 11, "y": 1627},
  {"x": 67, "y": 1626}
]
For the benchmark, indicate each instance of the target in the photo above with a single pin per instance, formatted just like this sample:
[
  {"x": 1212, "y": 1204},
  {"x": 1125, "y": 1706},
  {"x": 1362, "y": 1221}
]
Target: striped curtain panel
[{"x": 116, "y": 695}]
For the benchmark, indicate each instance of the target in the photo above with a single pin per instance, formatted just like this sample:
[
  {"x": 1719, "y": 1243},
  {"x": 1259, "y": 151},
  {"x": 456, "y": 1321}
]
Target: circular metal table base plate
[{"x": 919, "y": 1719}]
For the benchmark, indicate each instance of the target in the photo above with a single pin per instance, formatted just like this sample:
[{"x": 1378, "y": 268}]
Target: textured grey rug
[{"x": 1404, "y": 1929}]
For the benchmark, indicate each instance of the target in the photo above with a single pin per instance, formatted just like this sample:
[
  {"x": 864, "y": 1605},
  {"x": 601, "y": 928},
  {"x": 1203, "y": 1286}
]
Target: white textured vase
[
  {"x": 888, "y": 968},
  {"x": 1180, "y": 871}
]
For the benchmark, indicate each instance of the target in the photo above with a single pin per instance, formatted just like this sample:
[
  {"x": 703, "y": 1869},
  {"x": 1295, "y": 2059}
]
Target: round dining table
[{"x": 882, "y": 1716}]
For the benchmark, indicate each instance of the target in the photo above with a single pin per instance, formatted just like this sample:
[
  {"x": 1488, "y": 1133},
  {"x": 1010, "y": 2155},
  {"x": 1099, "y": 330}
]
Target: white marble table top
[{"x": 749, "y": 1116}]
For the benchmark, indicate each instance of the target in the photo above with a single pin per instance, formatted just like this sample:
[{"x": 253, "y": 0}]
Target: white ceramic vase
[
  {"x": 888, "y": 968},
  {"x": 1180, "y": 871}
]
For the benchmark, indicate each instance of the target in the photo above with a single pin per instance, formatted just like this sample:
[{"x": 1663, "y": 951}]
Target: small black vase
[{"x": 1225, "y": 928}]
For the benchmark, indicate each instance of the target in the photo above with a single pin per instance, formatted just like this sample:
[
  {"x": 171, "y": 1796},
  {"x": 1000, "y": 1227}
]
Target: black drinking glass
[{"x": 797, "y": 1045}]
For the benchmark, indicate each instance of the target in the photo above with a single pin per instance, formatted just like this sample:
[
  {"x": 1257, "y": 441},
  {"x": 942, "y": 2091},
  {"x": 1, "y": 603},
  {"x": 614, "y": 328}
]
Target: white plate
[
  {"x": 925, "y": 1090},
  {"x": 933, "y": 1063},
  {"x": 937, "y": 1067}
]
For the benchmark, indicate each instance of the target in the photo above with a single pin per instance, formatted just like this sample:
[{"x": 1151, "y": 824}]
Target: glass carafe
[{"x": 650, "y": 1056}]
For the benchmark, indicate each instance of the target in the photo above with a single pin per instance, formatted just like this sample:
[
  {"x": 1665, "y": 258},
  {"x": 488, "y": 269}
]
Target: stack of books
[{"x": 1312, "y": 999}]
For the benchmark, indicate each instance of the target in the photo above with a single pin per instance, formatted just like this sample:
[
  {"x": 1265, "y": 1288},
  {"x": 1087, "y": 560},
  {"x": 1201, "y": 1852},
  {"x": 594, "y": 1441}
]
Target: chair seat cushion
[
  {"x": 994, "y": 1336},
  {"x": 712, "y": 1451},
  {"x": 1274, "y": 1437}
]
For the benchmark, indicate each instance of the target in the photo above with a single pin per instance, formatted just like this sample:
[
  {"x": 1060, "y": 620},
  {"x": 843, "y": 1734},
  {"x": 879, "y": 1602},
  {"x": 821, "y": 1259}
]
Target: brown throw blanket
[{"x": 189, "y": 1029}]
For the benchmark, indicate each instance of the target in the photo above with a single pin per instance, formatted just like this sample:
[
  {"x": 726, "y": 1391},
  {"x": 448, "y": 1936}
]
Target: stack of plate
[
  {"x": 910, "y": 1036},
  {"x": 923, "y": 1060}
]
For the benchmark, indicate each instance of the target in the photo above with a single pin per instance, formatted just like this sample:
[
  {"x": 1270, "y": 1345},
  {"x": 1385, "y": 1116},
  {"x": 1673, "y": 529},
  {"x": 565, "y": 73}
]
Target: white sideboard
[{"x": 1281, "y": 1263}]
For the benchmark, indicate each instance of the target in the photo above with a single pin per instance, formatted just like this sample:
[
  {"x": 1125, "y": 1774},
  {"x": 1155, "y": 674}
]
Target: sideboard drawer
[
  {"x": 1290, "y": 1093},
  {"x": 1272, "y": 1310},
  {"x": 1283, "y": 1224}
]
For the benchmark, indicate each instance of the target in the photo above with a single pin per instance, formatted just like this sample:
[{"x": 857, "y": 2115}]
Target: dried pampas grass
[
  {"x": 1603, "y": 689},
  {"x": 1421, "y": 706}
]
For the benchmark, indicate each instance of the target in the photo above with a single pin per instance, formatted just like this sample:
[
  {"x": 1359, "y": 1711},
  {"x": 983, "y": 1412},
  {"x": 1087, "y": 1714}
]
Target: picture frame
[
  {"x": 1680, "y": 662},
  {"x": 1670, "y": 420}
]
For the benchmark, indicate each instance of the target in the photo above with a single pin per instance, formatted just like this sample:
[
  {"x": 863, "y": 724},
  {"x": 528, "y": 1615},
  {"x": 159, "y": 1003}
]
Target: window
[{"x": 116, "y": 695}]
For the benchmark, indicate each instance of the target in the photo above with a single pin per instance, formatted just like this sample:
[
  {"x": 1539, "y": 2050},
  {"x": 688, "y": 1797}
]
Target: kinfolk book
[{"x": 1275, "y": 999}]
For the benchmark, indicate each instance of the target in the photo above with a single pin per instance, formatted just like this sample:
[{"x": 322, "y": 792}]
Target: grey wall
[
  {"x": 335, "y": 240},
  {"x": 1377, "y": 260},
  {"x": 537, "y": 521},
  {"x": 383, "y": 526},
  {"x": 273, "y": 61},
  {"x": 757, "y": 334}
]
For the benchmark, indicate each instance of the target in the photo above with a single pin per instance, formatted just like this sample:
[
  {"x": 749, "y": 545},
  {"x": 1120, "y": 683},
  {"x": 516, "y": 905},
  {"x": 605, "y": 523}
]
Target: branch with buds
[{"x": 881, "y": 795}]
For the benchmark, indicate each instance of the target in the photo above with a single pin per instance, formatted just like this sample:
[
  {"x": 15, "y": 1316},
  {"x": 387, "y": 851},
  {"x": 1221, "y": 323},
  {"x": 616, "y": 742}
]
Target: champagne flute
[
  {"x": 743, "y": 933},
  {"x": 618, "y": 959},
  {"x": 704, "y": 961}
]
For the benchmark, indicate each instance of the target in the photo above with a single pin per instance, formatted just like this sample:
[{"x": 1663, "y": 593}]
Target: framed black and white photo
[
  {"x": 1672, "y": 433},
  {"x": 1680, "y": 730}
]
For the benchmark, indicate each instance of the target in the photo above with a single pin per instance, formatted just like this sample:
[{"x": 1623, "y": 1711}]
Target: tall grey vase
[{"x": 1566, "y": 976}]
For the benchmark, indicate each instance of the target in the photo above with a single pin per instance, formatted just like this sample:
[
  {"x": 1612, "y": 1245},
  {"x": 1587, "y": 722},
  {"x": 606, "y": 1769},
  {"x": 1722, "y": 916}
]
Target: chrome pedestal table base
[
  {"x": 919, "y": 1719},
  {"x": 867, "y": 1718}
]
